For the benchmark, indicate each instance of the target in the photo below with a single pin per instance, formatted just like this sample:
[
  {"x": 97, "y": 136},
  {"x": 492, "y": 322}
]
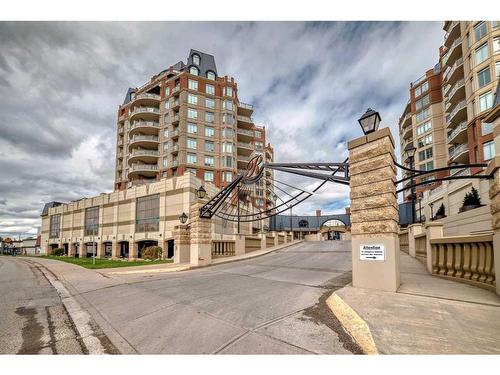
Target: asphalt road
[
  {"x": 273, "y": 304},
  {"x": 33, "y": 319}
]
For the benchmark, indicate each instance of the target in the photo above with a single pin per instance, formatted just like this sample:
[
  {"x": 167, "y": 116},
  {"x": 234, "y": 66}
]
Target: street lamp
[
  {"x": 183, "y": 218},
  {"x": 410, "y": 153},
  {"x": 369, "y": 121},
  {"x": 201, "y": 192},
  {"x": 431, "y": 205}
]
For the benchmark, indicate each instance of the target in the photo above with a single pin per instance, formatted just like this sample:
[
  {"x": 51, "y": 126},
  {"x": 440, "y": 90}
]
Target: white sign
[{"x": 372, "y": 252}]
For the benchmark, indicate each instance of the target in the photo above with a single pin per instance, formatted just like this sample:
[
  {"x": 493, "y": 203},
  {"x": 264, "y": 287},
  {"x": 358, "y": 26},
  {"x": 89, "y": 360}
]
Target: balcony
[
  {"x": 407, "y": 132},
  {"x": 407, "y": 119},
  {"x": 460, "y": 172},
  {"x": 245, "y": 109},
  {"x": 175, "y": 133},
  {"x": 457, "y": 92},
  {"x": 175, "y": 163},
  {"x": 459, "y": 154},
  {"x": 459, "y": 134},
  {"x": 146, "y": 113},
  {"x": 174, "y": 149},
  {"x": 245, "y": 134},
  {"x": 454, "y": 52},
  {"x": 148, "y": 127},
  {"x": 176, "y": 89},
  {"x": 245, "y": 148},
  {"x": 147, "y": 97},
  {"x": 147, "y": 170},
  {"x": 175, "y": 119},
  {"x": 458, "y": 113},
  {"x": 453, "y": 32},
  {"x": 147, "y": 156},
  {"x": 175, "y": 104},
  {"x": 145, "y": 141},
  {"x": 455, "y": 72},
  {"x": 243, "y": 159},
  {"x": 244, "y": 120}
]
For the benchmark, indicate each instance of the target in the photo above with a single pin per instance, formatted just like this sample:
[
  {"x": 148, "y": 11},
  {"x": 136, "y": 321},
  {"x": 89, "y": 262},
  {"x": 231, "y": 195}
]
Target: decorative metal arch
[{"x": 232, "y": 202}]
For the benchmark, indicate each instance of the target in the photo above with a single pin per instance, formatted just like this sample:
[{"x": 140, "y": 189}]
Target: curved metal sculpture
[{"x": 233, "y": 203}]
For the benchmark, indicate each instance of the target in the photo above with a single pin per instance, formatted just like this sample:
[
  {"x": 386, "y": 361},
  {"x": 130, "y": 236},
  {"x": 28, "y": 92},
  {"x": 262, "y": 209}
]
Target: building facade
[{"x": 188, "y": 119}]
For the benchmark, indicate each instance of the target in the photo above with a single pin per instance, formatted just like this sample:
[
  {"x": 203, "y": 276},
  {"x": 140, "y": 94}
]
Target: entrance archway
[{"x": 333, "y": 229}]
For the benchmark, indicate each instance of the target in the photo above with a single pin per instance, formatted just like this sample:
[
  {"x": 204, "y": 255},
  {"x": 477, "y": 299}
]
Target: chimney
[
  {"x": 348, "y": 210},
  {"x": 318, "y": 212}
]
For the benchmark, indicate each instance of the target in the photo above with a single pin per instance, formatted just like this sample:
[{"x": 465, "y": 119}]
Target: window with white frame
[
  {"x": 211, "y": 75},
  {"x": 192, "y": 99},
  {"x": 194, "y": 70},
  {"x": 497, "y": 69},
  {"x": 228, "y": 104},
  {"x": 479, "y": 30},
  {"x": 209, "y": 146},
  {"x": 210, "y": 89},
  {"x": 228, "y": 91},
  {"x": 258, "y": 145},
  {"x": 258, "y": 134},
  {"x": 165, "y": 132},
  {"x": 481, "y": 53},
  {"x": 192, "y": 128},
  {"x": 191, "y": 158},
  {"x": 209, "y": 161},
  {"x": 489, "y": 150},
  {"x": 496, "y": 45},
  {"x": 422, "y": 102},
  {"x": 209, "y": 131},
  {"x": 422, "y": 115},
  {"x": 210, "y": 103},
  {"x": 486, "y": 128},
  {"x": 422, "y": 88},
  {"x": 191, "y": 143},
  {"x": 227, "y": 119},
  {"x": 196, "y": 59},
  {"x": 209, "y": 176},
  {"x": 227, "y": 176},
  {"x": 209, "y": 117},
  {"x": 227, "y": 161},
  {"x": 192, "y": 113},
  {"x": 484, "y": 77},
  {"x": 165, "y": 162},
  {"x": 426, "y": 126},
  {"x": 227, "y": 133},
  {"x": 165, "y": 146},
  {"x": 167, "y": 104},
  {"x": 485, "y": 101},
  {"x": 167, "y": 91},
  {"x": 192, "y": 84},
  {"x": 227, "y": 147},
  {"x": 494, "y": 24}
]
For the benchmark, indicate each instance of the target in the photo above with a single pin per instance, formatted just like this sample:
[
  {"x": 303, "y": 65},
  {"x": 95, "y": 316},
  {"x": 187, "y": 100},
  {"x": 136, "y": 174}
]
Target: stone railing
[
  {"x": 421, "y": 247},
  {"x": 454, "y": 67},
  {"x": 269, "y": 241},
  {"x": 246, "y": 106},
  {"x": 403, "y": 241},
  {"x": 252, "y": 244},
  {"x": 147, "y": 95},
  {"x": 288, "y": 237},
  {"x": 223, "y": 248},
  {"x": 467, "y": 259},
  {"x": 456, "y": 109},
  {"x": 457, "y": 150},
  {"x": 460, "y": 128},
  {"x": 244, "y": 118},
  {"x": 245, "y": 132},
  {"x": 281, "y": 239},
  {"x": 460, "y": 83}
]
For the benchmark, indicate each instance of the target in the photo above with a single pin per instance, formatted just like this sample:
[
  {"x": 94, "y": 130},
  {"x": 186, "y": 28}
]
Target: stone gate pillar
[
  {"x": 374, "y": 212},
  {"x": 181, "y": 244},
  {"x": 494, "y": 170},
  {"x": 201, "y": 236}
]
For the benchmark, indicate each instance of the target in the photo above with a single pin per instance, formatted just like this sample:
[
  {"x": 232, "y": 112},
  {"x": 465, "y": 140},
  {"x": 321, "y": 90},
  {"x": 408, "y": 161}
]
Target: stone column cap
[
  {"x": 415, "y": 225},
  {"x": 434, "y": 224},
  {"x": 381, "y": 133}
]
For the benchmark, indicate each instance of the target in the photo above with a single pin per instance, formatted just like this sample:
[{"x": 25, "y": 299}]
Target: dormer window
[
  {"x": 211, "y": 75},
  {"x": 193, "y": 70},
  {"x": 196, "y": 59}
]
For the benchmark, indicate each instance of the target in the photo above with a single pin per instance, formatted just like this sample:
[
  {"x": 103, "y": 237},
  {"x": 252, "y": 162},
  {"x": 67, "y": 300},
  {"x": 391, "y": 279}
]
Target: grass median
[{"x": 105, "y": 263}]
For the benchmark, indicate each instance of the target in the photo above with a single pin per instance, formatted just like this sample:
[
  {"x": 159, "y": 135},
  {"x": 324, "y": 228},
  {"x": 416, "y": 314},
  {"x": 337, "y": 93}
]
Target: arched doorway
[{"x": 333, "y": 229}]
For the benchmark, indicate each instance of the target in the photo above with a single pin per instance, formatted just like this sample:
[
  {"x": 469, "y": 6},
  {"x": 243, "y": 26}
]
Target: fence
[
  {"x": 269, "y": 241},
  {"x": 421, "y": 247},
  {"x": 252, "y": 244},
  {"x": 223, "y": 248},
  {"x": 467, "y": 259},
  {"x": 403, "y": 241}
]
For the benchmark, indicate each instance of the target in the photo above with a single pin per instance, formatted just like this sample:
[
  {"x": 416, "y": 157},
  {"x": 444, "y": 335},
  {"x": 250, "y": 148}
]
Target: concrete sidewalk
[{"x": 428, "y": 315}]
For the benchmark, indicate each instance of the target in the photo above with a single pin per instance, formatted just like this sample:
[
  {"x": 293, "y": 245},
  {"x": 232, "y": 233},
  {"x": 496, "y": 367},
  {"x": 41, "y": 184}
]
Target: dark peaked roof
[
  {"x": 207, "y": 62},
  {"x": 45, "y": 210},
  {"x": 128, "y": 97}
]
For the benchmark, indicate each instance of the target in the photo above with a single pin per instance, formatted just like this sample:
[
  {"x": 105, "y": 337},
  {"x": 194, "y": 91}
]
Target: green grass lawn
[{"x": 104, "y": 263}]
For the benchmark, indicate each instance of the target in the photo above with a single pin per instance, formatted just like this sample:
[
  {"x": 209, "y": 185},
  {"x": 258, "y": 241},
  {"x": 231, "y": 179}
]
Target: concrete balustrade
[
  {"x": 403, "y": 241},
  {"x": 223, "y": 248}
]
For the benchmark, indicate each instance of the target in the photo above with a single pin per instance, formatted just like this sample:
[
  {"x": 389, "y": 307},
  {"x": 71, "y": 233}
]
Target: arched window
[
  {"x": 303, "y": 224},
  {"x": 196, "y": 59},
  {"x": 193, "y": 70},
  {"x": 211, "y": 75}
]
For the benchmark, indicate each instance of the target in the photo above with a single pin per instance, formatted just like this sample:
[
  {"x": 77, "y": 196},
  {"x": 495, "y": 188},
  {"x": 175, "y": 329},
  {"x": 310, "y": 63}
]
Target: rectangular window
[
  {"x": 467, "y": 40},
  {"x": 421, "y": 129},
  {"x": 192, "y": 128},
  {"x": 167, "y": 91},
  {"x": 147, "y": 214},
  {"x": 209, "y": 131},
  {"x": 209, "y": 176},
  {"x": 494, "y": 24},
  {"x": 428, "y": 153},
  {"x": 209, "y": 117},
  {"x": 497, "y": 69},
  {"x": 483, "y": 77},
  {"x": 258, "y": 134},
  {"x": 209, "y": 103},
  {"x": 192, "y": 84},
  {"x": 55, "y": 225},
  {"x": 227, "y": 133},
  {"x": 192, "y": 99},
  {"x": 227, "y": 119},
  {"x": 228, "y": 104},
  {"x": 496, "y": 45},
  {"x": 486, "y": 128},
  {"x": 229, "y": 91},
  {"x": 227, "y": 147},
  {"x": 191, "y": 158},
  {"x": 481, "y": 53},
  {"x": 209, "y": 146},
  {"x": 91, "y": 221},
  {"x": 167, "y": 104},
  {"x": 210, "y": 89},
  {"x": 165, "y": 146},
  {"x": 191, "y": 143},
  {"x": 479, "y": 30},
  {"x": 165, "y": 133},
  {"x": 422, "y": 115},
  {"x": 227, "y": 161},
  {"x": 258, "y": 146},
  {"x": 209, "y": 161},
  {"x": 485, "y": 101},
  {"x": 489, "y": 150},
  {"x": 227, "y": 176},
  {"x": 165, "y": 162},
  {"x": 192, "y": 113}
]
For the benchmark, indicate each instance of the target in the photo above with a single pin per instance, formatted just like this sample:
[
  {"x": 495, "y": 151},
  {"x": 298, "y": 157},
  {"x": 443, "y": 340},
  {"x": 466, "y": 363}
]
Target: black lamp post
[
  {"x": 410, "y": 152},
  {"x": 431, "y": 205},
  {"x": 183, "y": 218},
  {"x": 369, "y": 121},
  {"x": 201, "y": 192}
]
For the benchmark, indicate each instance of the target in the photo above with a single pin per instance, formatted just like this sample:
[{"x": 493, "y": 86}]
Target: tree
[
  {"x": 472, "y": 198},
  {"x": 440, "y": 212}
]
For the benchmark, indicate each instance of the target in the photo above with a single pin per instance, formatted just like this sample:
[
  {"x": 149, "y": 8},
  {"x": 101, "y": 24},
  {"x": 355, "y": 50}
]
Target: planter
[{"x": 469, "y": 207}]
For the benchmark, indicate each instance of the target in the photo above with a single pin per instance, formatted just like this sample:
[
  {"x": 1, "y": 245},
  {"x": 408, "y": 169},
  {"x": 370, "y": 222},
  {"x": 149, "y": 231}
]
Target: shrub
[
  {"x": 440, "y": 211},
  {"x": 58, "y": 252},
  {"x": 152, "y": 252},
  {"x": 472, "y": 198}
]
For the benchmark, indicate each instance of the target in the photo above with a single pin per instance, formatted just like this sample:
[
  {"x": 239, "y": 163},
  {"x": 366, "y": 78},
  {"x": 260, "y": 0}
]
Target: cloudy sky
[{"x": 61, "y": 84}]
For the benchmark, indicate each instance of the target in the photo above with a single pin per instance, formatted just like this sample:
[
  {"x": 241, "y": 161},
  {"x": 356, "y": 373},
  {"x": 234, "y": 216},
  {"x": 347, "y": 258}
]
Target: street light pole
[{"x": 410, "y": 152}]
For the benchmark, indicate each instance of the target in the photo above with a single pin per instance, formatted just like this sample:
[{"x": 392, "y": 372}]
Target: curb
[
  {"x": 352, "y": 323},
  {"x": 157, "y": 270}
]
